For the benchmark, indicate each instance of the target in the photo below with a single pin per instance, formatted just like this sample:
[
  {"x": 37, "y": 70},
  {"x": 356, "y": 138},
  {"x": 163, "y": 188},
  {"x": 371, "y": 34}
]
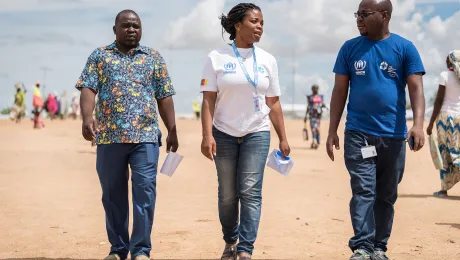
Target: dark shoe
[
  {"x": 229, "y": 253},
  {"x": 361, "y": 255},
  {"x": 440, "y": 194},
  {"x": 380, "y": 255}
]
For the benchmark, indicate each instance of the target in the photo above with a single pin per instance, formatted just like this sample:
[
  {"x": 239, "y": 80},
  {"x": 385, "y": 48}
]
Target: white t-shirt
[
  {"x": 235, "y": 113},
  {"x": 451, "y": 102}
]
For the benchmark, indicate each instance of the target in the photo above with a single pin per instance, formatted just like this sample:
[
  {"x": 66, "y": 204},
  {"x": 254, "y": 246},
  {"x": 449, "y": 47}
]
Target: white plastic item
[
  {"x": 171, "y": 163},
  {"x": 435, "y": 154},
  {"x": 277, "y": 163}
]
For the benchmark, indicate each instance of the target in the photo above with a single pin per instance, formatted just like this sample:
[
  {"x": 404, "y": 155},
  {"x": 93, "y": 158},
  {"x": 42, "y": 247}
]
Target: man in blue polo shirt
[{"x": 376, "y": 67}]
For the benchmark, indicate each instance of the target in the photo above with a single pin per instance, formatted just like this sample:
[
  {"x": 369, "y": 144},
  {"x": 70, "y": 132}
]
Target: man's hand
[
  {"x": 172, "y": 143},
  {"x": 88, "y": 129},
  {"x": 419, "y": 137},
  {"x": 332, "y": 140},
  {"x": 284, "y": 148},
  {"x": 208, "y": 147}
]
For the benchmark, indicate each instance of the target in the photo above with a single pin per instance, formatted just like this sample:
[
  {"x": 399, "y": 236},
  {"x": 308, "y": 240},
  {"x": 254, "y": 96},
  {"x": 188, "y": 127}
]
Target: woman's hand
[
  {"x": 208, "y": 147},
  {"x": 284, "y": 148}
]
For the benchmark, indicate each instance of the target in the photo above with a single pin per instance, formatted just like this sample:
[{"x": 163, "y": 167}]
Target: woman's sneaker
[{"x": 361, "y": 255}]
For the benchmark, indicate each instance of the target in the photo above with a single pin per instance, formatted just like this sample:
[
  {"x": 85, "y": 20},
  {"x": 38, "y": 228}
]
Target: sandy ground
[{"x": 50, "y": 202}]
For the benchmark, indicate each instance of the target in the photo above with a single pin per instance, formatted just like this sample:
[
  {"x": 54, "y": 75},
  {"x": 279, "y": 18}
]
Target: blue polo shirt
[{"x": 378, "y": 72}]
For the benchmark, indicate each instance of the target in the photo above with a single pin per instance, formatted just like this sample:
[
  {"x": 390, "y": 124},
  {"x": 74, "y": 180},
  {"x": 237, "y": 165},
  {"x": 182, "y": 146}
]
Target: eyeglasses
[{"x": 364, "y": 15}]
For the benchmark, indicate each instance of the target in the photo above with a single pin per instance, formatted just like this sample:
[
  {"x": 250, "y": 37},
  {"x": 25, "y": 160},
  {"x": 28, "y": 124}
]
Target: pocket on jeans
[
  {"x": 152, "y": 155},
  {"x": 352, "y": 146}
]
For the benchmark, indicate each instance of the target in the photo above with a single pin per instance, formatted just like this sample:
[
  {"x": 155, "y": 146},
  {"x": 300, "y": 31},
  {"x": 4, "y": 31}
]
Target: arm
[
  {"x": 88, "y": 84},
  {"x": 417, "y": 99},
  {"x": 208, "y": 144},
  {"x": 415, "y": 86},
  {"x": 207, "y": 112},
  {"x": 276, "y": 116},
  {"x": 166, "y": 109},
  {"x": 164, "y": 91},
  {"x": 437, "y": 107},
  {"x": 87, "y": 101},
  {"x": 338, "y": 100}
]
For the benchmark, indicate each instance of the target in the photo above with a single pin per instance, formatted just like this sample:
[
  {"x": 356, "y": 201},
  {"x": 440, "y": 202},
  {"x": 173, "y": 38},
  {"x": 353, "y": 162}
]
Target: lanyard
[{"x": 240, "y": 60}]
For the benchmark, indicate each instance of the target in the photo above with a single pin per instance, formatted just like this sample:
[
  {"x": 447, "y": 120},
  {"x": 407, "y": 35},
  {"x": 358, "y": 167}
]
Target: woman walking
[
  {"x": 447, "y": 113},
  {"x": 315, "y": 105},
  {"x": 240, "y": 97}
]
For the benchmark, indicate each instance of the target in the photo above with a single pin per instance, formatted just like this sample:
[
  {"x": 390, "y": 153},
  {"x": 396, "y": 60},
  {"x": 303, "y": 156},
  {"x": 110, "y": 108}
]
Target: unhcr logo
[
  {"x": 230, "y": 68},
  {"x": 359, "y": 68}
]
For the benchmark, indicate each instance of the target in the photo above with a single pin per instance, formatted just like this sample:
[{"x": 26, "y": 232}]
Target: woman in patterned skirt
[
  {"x": 315, "y": 105},
  {"x": 447, "y": 113}
]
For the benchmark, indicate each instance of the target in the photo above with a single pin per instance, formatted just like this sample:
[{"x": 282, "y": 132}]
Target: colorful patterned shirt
[{"x": 128, "y": 86}]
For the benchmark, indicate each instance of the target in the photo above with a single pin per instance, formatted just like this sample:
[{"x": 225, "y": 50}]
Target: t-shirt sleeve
[
  {"x": 208, "y": 76},
  {"x": 274, "y": 89},
  {"x": 161, "y": 80},
  {"x": 443, "y": 78},
  {"x": 341, "y": 63},
  {"x": 412, "y": 61},
  {"x": 90, "y": 75}
]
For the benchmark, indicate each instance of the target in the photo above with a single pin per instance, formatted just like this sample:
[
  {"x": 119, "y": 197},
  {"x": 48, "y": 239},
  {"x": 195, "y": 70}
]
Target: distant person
[
  {"x": 240, "y": 96},
  {"x": 37, "y": 104},
  {"x": 75, "y": 106},
  {"x": 130, "y": 81},
  {"x": 18, "y": 109},
  {"x": 63, "y": 106},
  {"x": 446, "y": 112},
  {"x": 315, "y": 105},
  {"x": 58, "y": 104},
  {"x": 51, "y": 106},
  {"x": 375, "y": 67},
  {"x": 196, "y": 109}
]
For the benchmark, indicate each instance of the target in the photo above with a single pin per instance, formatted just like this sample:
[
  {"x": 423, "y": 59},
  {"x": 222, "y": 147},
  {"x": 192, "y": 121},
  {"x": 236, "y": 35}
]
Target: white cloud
[
  {"x": 200, "y": 28},
  {"x": 436, "y": 1},
  {"x": 321, "y": 27}
]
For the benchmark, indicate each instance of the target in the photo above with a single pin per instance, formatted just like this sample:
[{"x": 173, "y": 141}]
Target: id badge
[
  {"x": 256, "y": 101},
  {"x": 368, "y": 151}
]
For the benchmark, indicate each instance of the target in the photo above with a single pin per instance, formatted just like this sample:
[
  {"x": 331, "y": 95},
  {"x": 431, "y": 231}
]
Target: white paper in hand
[
  {"x": 171, "y": 163},
  {"x": 277, "y": 163}
]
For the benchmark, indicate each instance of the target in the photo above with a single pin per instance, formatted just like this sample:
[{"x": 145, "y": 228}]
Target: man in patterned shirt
[{"x": 129, "y": 80}]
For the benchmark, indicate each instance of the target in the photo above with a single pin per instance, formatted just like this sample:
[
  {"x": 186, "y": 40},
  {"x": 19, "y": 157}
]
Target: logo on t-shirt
[
  {"x": 391, "y": 71},
  {"x": 230, "y": 68},
  {"x": 359, "y": 68},
  {"x": 204, "y": 82},
  {"x": 261, "y": 69}
]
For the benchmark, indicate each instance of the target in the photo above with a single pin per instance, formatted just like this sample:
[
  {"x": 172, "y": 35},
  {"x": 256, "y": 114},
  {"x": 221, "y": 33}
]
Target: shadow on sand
[
  {"x": 452, "y": 225},
  {"x": 424, "y": 196}
]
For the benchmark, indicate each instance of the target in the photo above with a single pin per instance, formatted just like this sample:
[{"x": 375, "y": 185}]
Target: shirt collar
[{"x": 113, "y": 46}]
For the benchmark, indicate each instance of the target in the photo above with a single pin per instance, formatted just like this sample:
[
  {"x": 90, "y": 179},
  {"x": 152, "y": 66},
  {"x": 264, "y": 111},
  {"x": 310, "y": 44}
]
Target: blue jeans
[
  {"x": 240, "y": 163},
  {"x": 374, "y": 183},
  {"x": 112, "y": 167}
]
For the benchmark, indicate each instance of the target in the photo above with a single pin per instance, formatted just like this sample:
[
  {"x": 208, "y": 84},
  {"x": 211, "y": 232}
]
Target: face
[
  {"x": 252, "y": 27},
  {"x": 38, "y": 85},
  {"x": 314, "y": 89},
  {"x": 128, "y": 30},
  {"x": 370, "y": 20}
]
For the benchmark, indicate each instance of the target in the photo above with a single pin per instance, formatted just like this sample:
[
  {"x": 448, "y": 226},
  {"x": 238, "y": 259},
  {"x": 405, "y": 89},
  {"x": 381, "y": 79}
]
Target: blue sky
[{"x": 60, "y": 34}]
